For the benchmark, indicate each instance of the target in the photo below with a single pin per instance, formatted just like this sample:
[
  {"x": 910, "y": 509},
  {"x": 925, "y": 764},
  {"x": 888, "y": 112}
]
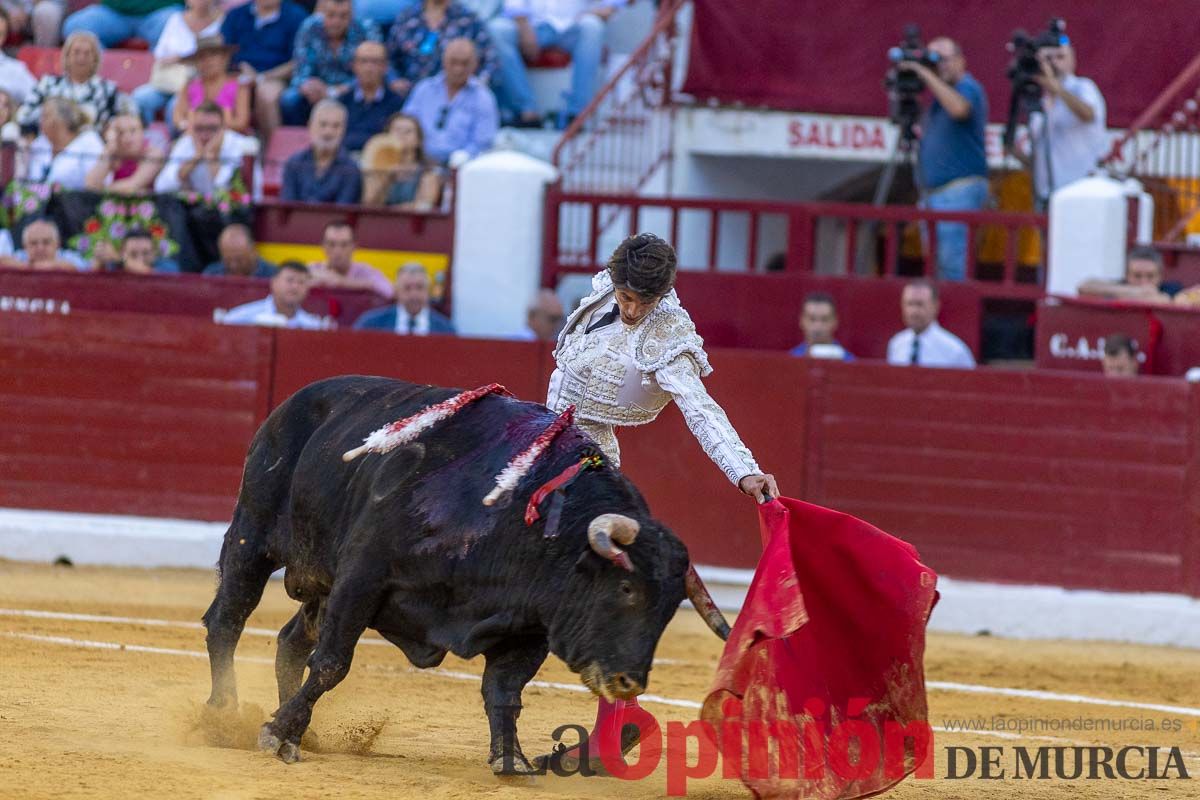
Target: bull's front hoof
[
  {"x": 516, "y": 767},
  {"x": 289, "y": 753},
  {"x": 268, "y": 742}
]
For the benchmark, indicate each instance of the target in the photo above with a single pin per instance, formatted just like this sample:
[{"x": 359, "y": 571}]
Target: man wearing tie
[
  {"x": 411, "y": 315},
  {"x": 924, "y": 343}
]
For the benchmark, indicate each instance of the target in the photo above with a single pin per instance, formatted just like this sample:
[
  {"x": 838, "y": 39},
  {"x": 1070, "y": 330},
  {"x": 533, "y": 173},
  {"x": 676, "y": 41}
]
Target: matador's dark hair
[{"x": 644, "y": 264}]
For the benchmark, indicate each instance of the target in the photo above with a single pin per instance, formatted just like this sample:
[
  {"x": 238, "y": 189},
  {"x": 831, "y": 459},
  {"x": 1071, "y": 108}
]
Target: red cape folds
[{"x": 831, "y": 639}]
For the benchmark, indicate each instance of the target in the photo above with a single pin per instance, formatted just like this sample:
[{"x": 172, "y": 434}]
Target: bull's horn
[
  {"x": 608, "y": 528},
  {"x": 698, "y": 594}
]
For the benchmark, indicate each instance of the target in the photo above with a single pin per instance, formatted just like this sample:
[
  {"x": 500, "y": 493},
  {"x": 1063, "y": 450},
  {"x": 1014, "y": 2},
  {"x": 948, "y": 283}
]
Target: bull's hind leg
[
  {"x": 296, "y": 642},
  {"x": 244, "y": 571},
  {"x": 509, "y": 667},
  {"x": 350, "y": 607}
]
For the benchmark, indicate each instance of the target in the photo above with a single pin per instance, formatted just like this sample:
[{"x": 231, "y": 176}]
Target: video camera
[
  {"x": 1025, "y": 67},
  {"x": 904, "y": 85}
]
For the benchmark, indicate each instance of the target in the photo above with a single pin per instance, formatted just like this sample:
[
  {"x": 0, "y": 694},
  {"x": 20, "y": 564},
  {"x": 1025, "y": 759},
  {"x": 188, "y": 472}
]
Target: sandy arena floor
[{"x": 83, "y": 719}]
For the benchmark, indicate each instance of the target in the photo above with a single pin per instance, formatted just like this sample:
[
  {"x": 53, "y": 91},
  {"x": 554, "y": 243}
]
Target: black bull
[{"x": 401, "y": 543}]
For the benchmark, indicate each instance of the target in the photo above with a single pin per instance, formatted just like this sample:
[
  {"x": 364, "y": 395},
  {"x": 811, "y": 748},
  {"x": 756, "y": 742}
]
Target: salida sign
[{"x": 833, "y": 134}]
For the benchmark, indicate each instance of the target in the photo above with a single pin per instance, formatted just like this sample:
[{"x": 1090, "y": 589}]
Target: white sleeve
[
  {"x": 168, "y": 40},
  {"x": 966, "y": 359},
  {"x": 168, "y": 179},
  {"x": 706, "y": 420},
  {"x": 895, "y": 356}
]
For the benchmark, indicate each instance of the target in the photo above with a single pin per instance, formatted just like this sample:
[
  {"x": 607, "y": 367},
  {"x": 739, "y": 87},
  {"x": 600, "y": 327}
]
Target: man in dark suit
[{"x": 411, "y": 315}]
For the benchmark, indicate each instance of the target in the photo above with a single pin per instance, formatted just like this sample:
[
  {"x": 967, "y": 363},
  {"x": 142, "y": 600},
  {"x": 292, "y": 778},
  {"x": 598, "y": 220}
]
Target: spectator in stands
[
  {"x": 264, "y": 32},
  {"x": 411, "y": 315},
  {"x": 924, "y": 343},
  {"x": 325, "y": 48},
  {"x": 368, "y": 100},
  {"x": 206, "y": 158},
  {"x": 238, "y": 256},
  {"x": 340, "y": 270},
  {"x": 819, "y": 322},
  {"x": 544, "y": 317},
  {"x": 97, "y": 96},
  {"x": 15, "y": 78},
  {"x": 114, "y": 21},
  {"x": 528, "y": 26},
  {"x": 1143, "y": 281},
  {"x": 16, "y": 17},
  {"x": 129, "y": 163},
  {"x": 214, "y": 84},
  {"x": 199, "y": 19},
  {"x": 1120, "y": 359},
  {"x": 281, "y": 308},
  {"x": 323, "y": 173},
  {"x": 953, "y": 160},
  {"x": 46, "y": 21},
  {"x": 419, "y": 34},
  {"x": 456, "y": 111},
  {"x": 41, "y": 249},
  {"x": 66, "y": 149},
  {"x": 137, "y": 256},
  {"x": 395, "y": 170},
  {"x": 1075, "y": 139}
]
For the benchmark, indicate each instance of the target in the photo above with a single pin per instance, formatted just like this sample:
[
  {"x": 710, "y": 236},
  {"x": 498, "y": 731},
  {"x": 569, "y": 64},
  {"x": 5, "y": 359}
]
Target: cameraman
[
  {"x": 1074, "y": 140},
  {"x": 953, "y": 161}
]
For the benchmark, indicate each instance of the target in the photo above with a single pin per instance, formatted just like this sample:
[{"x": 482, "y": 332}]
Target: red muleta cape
[{"x": 832, "y": 640}]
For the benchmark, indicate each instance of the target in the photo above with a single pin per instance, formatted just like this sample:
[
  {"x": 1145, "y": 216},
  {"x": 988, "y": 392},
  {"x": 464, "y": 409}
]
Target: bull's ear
[{"x": 589, "y": 563}]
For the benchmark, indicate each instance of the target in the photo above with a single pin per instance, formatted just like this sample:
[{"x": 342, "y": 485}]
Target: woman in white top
[
  {"x": 627, "y": 351},
  {"x": 66, "y": 148},
  {"x": 178, "y": 40}
]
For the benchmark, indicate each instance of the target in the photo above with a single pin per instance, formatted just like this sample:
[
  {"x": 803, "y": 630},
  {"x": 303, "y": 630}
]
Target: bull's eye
[{"x": 626, "y": 589}]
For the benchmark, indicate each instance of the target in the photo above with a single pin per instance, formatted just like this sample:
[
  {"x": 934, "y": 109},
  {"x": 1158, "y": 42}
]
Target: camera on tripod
[
  {"x": 904, "y": 85},
  {"x": 1025, "y": 68}
]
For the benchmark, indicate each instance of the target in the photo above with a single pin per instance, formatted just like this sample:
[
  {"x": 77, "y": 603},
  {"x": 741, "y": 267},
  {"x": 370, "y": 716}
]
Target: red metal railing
[
  {"x": 622, "y": 140},
  {"x": 757, "y": 237},
  {"x": 1162, "y": 149}
]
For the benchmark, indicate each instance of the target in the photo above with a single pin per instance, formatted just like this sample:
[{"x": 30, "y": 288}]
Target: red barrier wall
[
  {"x": 1071, "y": 332},
  {"x": 128, "y": 414},
  {"x": 1035, "y": 477}
]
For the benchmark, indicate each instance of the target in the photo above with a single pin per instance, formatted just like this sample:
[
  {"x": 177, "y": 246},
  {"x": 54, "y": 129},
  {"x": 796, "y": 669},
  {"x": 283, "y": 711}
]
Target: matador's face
[{"x": 633, "y": 306}]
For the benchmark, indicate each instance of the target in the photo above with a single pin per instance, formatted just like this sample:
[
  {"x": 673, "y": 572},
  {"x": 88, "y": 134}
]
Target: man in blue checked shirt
[
  {"x": 324, "y": 56},
  {"x": 456, "y": 110}
]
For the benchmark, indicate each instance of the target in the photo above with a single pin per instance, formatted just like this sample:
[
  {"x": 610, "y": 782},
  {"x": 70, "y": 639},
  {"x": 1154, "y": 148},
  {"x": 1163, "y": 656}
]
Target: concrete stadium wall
[{"x": 1060, "y": 479}]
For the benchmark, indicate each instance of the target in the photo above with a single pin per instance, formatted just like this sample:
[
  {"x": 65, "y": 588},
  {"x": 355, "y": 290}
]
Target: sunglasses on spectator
[{"x": 441, "y": 119}]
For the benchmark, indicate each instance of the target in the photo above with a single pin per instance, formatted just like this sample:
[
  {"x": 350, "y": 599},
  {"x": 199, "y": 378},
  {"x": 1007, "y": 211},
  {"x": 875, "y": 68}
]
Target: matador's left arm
[{"x": 706, "y": 420}]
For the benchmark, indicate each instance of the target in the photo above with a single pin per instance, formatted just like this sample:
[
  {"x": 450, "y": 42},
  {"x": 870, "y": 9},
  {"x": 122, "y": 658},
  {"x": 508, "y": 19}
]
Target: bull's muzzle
[{"x": 607, "y": 531}]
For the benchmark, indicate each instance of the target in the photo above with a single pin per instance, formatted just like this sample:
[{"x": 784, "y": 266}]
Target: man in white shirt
[
  {"x": 1068, "y": 138},
  {"x": 281, "y": 308},
  {"x": 924, "y": 343},
  {"x": 526, "y": 27},
  {"x": 205, "y": 158}
]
